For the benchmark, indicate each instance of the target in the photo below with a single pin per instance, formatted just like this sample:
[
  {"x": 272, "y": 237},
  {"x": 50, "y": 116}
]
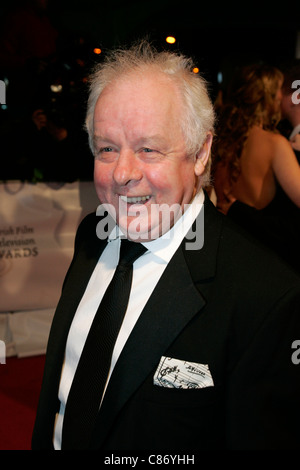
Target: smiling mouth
[{"x": 136, "y": 199}]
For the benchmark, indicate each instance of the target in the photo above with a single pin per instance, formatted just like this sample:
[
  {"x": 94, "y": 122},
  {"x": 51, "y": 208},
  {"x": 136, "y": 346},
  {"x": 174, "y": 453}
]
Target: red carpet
[{"x": 20, "y": 382}]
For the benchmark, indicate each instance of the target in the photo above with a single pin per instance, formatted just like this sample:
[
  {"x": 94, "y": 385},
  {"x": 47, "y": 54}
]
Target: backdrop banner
[{"x": 38, "y": 223}]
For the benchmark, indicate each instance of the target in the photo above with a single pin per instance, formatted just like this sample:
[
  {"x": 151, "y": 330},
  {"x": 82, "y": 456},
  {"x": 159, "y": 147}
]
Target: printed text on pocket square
[{"x": 174, "y": 373}]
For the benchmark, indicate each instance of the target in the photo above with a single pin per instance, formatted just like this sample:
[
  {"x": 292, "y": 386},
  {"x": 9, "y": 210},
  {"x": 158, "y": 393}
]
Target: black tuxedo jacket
[{"x": 230, "y": 305}]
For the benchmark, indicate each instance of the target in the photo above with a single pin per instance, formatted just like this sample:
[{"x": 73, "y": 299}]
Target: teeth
[{"x": 133, "y": 200}]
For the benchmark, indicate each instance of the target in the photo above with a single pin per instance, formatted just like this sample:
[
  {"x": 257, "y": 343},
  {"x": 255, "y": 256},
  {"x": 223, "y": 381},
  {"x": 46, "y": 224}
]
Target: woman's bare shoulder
[{"x": 273, "y": 141}]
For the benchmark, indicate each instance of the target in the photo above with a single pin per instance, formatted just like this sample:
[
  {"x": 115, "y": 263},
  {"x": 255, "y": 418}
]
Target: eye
[
  {"x": 150, "y": 154},
  {"x": 106, "y": 153}
]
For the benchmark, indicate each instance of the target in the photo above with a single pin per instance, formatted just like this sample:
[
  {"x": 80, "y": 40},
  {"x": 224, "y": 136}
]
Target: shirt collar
[{"x": 165, "y": 246}]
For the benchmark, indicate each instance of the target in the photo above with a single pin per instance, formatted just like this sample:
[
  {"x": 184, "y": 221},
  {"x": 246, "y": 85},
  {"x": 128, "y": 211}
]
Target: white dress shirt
[{"x": 147, "y": 271}]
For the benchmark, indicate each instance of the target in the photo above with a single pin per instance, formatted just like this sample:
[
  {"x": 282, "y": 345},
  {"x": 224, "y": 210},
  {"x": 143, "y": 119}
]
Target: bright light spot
[
  {"x": 195, "y": 70},
  {"x": 97, "y": 50},
  {"x": 170, "y": 39},
  {"x": 56, "y": 88},
  {"x": 220, "y": 77}
]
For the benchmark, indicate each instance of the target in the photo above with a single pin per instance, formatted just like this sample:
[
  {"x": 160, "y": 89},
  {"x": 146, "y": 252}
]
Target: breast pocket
[
  {"x": 180, "y": 397},
  {"x": 182, "y": 380}
]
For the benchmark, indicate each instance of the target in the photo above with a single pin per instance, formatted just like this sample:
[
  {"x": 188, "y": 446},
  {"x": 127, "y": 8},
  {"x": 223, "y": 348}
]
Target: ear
[{"x": 202, "y": 156}]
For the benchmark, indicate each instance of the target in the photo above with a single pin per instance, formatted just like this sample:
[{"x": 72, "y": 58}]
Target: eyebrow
[
  {"x": 96, "y": 138},
  {"x": 155, "y": 139}
]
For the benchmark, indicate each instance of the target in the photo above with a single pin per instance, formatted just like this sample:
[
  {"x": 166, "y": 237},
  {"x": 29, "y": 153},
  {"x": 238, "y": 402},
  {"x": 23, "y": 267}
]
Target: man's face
[{"x": 141, "y": 163}]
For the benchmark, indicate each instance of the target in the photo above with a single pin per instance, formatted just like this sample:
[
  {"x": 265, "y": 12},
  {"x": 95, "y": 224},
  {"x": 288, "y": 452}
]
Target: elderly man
[{"x": 187, "y": 343}]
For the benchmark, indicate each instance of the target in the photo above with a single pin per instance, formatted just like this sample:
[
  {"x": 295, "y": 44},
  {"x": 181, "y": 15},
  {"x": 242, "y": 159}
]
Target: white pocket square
[{"x": 175, "y": 373}]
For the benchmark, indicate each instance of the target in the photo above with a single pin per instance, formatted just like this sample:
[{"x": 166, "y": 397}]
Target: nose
[{"x": 127, "y": 168}]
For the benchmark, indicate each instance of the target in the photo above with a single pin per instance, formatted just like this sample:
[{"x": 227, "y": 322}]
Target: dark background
[{"x": 219, "y": 36}]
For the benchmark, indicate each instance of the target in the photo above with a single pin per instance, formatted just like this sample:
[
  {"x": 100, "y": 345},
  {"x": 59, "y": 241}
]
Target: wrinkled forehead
[
  {"x": 147, "y": 83},
  {"x": 134, "y": 110},
  {"x": 143, "y": 96}
]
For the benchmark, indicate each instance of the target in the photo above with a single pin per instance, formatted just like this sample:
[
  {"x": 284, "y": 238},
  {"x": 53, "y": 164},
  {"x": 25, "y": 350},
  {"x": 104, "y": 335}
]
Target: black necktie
[{"x": 91, "y": 374}]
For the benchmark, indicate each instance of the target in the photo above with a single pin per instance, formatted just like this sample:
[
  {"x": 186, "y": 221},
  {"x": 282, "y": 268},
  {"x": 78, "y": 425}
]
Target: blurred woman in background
[{"x": 256, "y": 175}]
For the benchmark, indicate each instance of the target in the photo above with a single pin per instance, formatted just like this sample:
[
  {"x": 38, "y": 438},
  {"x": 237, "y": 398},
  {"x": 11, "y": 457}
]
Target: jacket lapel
[
  {"x": 88, "y": 249},
  {"x": 172, "y": 305},
  {"x": 78, "y": 275}
]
